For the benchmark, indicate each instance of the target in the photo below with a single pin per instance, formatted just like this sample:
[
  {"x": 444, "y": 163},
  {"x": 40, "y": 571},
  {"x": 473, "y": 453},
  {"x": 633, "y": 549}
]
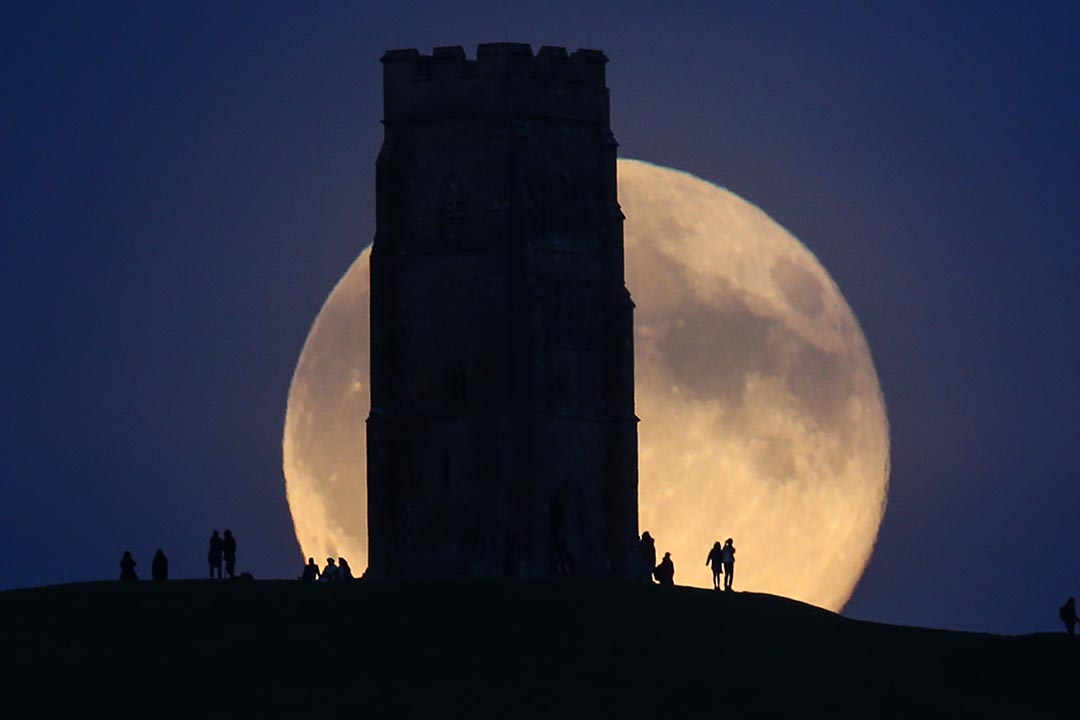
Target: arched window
[{"x": 451, "y": 211}]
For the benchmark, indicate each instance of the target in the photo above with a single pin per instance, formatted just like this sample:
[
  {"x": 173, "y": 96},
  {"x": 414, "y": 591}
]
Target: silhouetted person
[
  {"x": 729, "y": 564},
  {"x": 159, "y": 568},
  {"x": 648, "y": 553},
  {"x": 1067, "y": 613},
  {"x": 344, "y": 572},
  {"x": 329, "y": 573},
  {"x": 214, "y": 556},
  {"x": 228, "y": 551},
  {"x": 665, "y": 571},
  {"x": 127, "y": 567},
  {"x": 716, "y": 561},
  {"x": 311, "y": 572}
]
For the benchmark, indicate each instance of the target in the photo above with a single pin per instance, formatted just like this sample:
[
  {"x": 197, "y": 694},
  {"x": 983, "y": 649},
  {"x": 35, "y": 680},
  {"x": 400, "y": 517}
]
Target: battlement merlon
[{"x": 504, "y": 77}]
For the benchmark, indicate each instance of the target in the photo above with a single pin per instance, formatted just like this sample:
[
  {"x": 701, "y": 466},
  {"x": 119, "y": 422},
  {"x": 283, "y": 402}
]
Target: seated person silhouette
[
  {"x": 1067, "y": 613},
  {"x": 127, "y": 567},
  {"x": 665, "y": 571}
]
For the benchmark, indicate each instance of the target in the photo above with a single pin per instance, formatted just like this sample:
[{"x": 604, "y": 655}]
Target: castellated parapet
[
  {"x": 504, "y": 77},
  {"x": 502, "y": 439}
]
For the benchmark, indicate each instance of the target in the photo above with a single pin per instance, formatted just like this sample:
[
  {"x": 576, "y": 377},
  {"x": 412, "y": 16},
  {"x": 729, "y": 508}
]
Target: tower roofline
[
  {"x": 503, "y": 77},
  {"x": 410, "y": 65}
]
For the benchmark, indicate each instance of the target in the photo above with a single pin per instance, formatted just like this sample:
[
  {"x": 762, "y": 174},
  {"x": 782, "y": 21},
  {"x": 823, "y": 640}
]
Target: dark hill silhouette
[{"x": 492, "y": 649}]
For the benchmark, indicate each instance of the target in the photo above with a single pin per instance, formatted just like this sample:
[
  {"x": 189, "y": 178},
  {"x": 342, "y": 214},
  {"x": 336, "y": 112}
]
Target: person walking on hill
[
  {"x": 159, "y": 568},
  {"x": 228, "y": 550},
  {"x": 311, "y": 572},
  {"x": 127, "y": 567},
  {"x": 665, "y": 571},
  {"x": 729, "y": 564},
  {"x": 214, "y": 556},
  {"x": 648, "y": 554},
  {"x": 1067, "y": 613},
  {"x": 716, "y": 560}
]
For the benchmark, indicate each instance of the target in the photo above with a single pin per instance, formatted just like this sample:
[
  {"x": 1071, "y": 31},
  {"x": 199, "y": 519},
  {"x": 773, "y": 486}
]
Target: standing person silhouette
[
  {"x": 648, "y": 554},
  {"x": 329, "y": 573},
  {"x": 214, "y": 556},
  {"x": 729, "y": 564},
  {"x": 228, "y": 549},
  {"x": 665, "y": 571},
  {"x": 127, "y": 567},
  {"x": 1067, "y": 613},
  {"x": 344, "y": 572},
  {"x": 159, "y": 568},
  {"x": 311, "y": 572},
  {"x": 716, "y": 560}
]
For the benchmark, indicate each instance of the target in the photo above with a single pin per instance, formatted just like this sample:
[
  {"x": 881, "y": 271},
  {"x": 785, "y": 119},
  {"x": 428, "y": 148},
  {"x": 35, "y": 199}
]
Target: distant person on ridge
[
  {"x": 228, "y": 550},
  {"x": 127, "y": 567},
  {"x": 729, "y": 564},
  {"x": 214, "y": 556},
  {"x": 344, "y": 572},
  {"x": 648, "y": 554},
  {"x": 1067, "y": 613},
  {"x": 665, "y": 571},
  {"x": 159, "y": 569},
  {"x": 311, "y": 572},
  {"x": 329, "y": 573},
  {"x": 716, "y": 560}
]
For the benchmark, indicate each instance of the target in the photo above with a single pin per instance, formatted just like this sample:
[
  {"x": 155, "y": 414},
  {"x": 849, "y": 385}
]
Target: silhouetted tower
[{"x": 502, "y": 438}]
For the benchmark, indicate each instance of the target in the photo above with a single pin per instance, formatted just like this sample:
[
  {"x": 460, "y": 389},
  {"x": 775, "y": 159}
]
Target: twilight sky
[{"x": 183, "y": 184}]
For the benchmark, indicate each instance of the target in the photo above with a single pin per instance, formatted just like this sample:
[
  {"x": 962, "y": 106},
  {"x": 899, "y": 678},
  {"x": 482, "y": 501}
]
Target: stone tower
[{"x": 502, "y": 439}]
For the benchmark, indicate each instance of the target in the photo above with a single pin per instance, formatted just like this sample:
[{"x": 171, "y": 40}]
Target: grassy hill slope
[{"x": 494, "y": 649}]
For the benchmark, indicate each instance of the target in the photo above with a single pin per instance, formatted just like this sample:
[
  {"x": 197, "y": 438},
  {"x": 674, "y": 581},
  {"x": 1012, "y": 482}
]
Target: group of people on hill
[
  {"x": 721, "y": 559},
  {"x": 222, "y": 554},
  {"x": 333, "y": 572},
  {"x": 159, "y": 566}
]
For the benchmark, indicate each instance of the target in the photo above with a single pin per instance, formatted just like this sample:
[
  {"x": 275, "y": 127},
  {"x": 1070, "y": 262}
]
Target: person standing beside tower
[{"x": 648, "y": 554}]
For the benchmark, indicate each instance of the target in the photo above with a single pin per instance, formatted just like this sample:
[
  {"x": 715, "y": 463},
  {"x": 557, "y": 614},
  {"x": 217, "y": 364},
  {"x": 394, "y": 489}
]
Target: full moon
[{"x": 762, "y": 418}]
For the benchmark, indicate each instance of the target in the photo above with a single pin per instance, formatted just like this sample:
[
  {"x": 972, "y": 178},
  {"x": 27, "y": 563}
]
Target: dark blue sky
[{"x": 183, "y": 185}]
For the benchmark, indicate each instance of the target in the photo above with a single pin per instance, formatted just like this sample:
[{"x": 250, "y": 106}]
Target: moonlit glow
[{"x": 761, "y": 414}]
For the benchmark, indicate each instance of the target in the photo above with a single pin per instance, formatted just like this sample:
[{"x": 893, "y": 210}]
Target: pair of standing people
[
  {"x": 722, "y": 560},
  {"x": 222, "y": 549}
]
